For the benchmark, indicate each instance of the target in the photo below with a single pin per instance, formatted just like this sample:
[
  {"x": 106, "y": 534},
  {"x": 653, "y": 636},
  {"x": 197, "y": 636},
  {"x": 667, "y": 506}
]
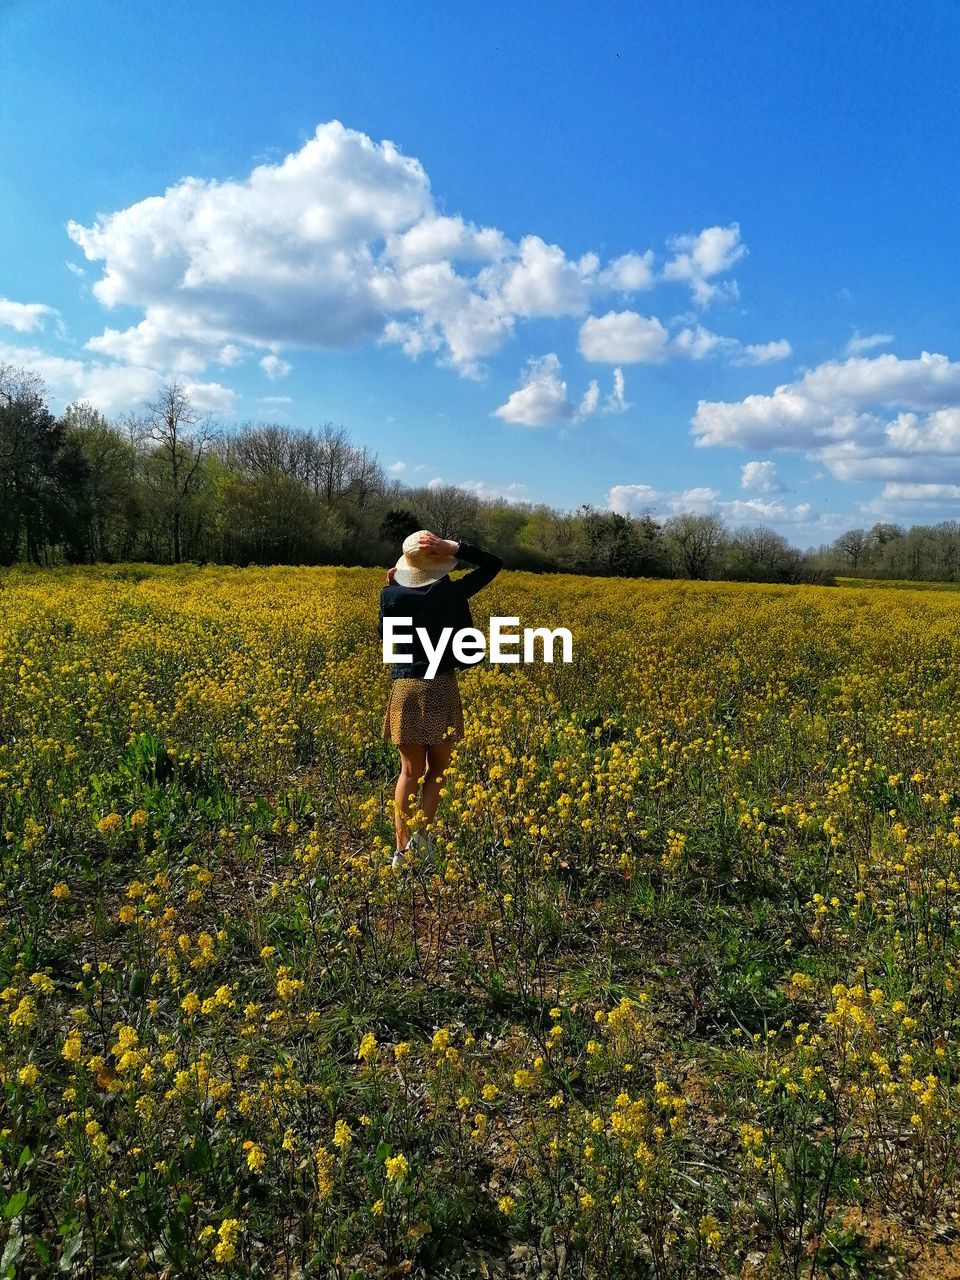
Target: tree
[
  {"x": 398, "y": 524},
  {"x": 851, "y": 545},
  {"x": 178, "y": 438},
  {"x": 609, "y": 543},
  {"x": 110, "y": 509},
  {"x": 448, "y": 509},
  {"x": 695, "y": 542},
  {"x": 42, "y": 474},
  {"x": 761, "y": 555}
]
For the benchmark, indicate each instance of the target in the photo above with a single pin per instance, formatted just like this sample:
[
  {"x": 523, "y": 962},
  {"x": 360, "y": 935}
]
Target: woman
[{"x": 424, "y": 718}]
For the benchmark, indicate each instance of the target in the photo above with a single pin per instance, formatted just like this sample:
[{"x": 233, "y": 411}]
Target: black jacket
[{"x": 443, "y": 603}]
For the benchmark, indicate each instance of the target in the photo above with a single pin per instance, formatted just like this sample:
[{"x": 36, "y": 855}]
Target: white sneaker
[{"x": 423, "y": 842}]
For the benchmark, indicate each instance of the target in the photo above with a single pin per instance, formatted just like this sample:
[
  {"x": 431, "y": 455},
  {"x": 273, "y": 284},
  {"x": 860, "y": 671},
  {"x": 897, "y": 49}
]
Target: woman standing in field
[{"x": 424, "y": 718}]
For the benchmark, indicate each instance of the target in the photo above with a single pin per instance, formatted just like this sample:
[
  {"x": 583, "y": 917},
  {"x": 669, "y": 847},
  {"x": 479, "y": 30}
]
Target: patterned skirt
[{"x": 427, "y": 712}]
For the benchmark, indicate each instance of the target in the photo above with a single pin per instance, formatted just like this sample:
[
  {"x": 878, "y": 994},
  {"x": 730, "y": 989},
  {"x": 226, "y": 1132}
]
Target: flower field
[{"x": 673, "y": 991}]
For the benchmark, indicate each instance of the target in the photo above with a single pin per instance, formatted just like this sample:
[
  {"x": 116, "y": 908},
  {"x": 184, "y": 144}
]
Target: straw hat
[{"x": 417, "y": 568}]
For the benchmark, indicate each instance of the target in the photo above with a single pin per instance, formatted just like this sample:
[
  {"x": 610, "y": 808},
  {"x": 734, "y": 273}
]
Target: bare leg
[
  {"x": 438, "y": 758},
  {"x": 413, "y": 763}
]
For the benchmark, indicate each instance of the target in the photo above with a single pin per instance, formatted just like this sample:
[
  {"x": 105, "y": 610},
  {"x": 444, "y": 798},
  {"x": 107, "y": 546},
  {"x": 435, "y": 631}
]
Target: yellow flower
[
  {"x": 506, "y": 1205},
  {"x": 60, "y": 891},
  {"x": 73, "y": 1047},
  {"x": 397, "y": 1168},
  {"x": 29, "y": 1074},
  {"x": 342, "y": 1135},
  {"x": 24, "y": 1014},
  {"x": 256, "y": 1156},
  {"x": 368, "y": 1048}
]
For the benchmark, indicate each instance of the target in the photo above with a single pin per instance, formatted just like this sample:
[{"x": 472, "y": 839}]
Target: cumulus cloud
[
  {"x": 761, "y": 477},
  {"x": 340, "y": 243},
  {"x": 633, "y": 499},
  {"x": 764, "y": 352},
  {"x": 542, "y": 400},
  {"x": 699, "y": 342},
  {"x": 111, "y": 388},
  {"x": 624, "y": 337},
  {"x": 920, "y": 492},
  {"x": 274, "y": 367},
  {"x": 631, "y": 273},
  {"x": 513, "y": 491},
  {"x": 630, "y": 338},
  {"x": 699, "y": 259},
  {"x": 863, "y": 418},
  {"x": 861, "y": 342},
  {"x": 639, "y": 499},
  {"x": 24, "y": 317},
  {"x": 925, "y": 502}
]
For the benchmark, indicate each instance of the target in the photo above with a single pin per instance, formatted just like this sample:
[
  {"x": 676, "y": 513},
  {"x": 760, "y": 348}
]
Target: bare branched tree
[{"x": 179, "y": 438}]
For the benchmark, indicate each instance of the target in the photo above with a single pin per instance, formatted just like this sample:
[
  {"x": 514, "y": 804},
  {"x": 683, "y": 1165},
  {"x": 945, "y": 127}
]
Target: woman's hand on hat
[
  {"x": 434, "y": 546},
  {"x": 391, "y": 573}
]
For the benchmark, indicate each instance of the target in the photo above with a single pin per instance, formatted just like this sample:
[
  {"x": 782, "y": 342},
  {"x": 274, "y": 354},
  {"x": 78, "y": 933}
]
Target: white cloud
[
  {"x": 861, "y": 342},
  {"x": 436, "y": 239},
  {"x": 635, "y": 339},
  {"x": 904, "y": 500},
  {"x": 921, "y": 492},
  {"x": 616, "y": 401},
  {"x": 395, "y": 468},
  {"x": 761, "y": 477},
  {"x": 828, "y": 400},
  {"x": 24, "y": 317},
  {"x": 700, "y": 342},
  {"x": 699, "y": 258},
  {"x": 591, "y": 399},
  {"x": 765, "y": 352},
  {"x": 111, "y": 388},
  {"x": 276, "y": 401},
  {"x": 210, "y": 397},
  {"x": 839, "y": 414},
  {"x": 623, "y": 337},
  {"x": 632, "y": 499},
  {"x": 340, "y": 243},
  {"x": 700, "y": 499},
  {"x": 631, "y": 273},
  {"x": 274, "y": 367},
  {"x": 545, "y": 282},
  {"x": 513, "y": 491},
  {"x": 76, "y": 270},
  {"x": 765, "y": 511},
  {"x": 637, "y": 499},
  {"x": 542, "y": 400}
]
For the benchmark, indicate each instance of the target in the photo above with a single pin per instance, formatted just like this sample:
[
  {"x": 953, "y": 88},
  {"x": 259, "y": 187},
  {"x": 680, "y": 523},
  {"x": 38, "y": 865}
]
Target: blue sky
[{"x": 665, "y": 256}]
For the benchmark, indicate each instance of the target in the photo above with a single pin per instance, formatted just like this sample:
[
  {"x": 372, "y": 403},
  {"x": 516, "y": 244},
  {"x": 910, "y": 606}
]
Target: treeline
[
  {"x": 169, "y": 484},
  {"x": 922, "y": 553}
]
